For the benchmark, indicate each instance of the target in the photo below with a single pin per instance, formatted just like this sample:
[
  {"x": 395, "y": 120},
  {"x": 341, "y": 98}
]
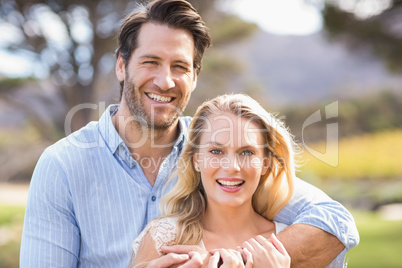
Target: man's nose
[{"x": 164, "y": 79}]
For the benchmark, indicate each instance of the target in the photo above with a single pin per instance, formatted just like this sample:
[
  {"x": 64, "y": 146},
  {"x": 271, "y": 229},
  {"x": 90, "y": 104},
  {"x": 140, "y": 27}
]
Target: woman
[{"x": 234, "y": 174}]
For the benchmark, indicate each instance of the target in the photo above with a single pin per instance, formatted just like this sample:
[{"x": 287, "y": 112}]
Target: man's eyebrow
[
  {"x": 148, "y": 56},
  {"x": 183, "y": 62}
]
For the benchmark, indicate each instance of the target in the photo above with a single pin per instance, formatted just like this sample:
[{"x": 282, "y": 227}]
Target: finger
[
  {"x": 214, "y": 260},
  {"x": 241, "y": 251},
  {"x": 195, "y": 260},
  {"x": 249, "y": 258},
  {"x": 247, "y": 245},
  {"x": 168, "y": 260},
  {"x": 231, "y": 258},
  {"x": 256, "y": 245},
  {"x": 278, "y": 245},
  {"x": 225, "y": 255},
  {"x": 181, "y": 249},
  {"x": 262, "y": 240},
  {"x": 237, "y": 254}
]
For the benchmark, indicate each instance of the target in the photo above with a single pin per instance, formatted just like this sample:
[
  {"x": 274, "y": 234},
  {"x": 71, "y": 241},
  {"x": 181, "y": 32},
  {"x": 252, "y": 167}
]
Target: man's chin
[{"x": 163, "y": 125}]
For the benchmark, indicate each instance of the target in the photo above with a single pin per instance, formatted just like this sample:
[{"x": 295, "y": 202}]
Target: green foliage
[
  {"x": 8, "y": 84},
  {"x": 229, "y": 28},
  {"x": 380, "y": 242},
  {"x": 377, "y": 33},
  {"x": 368, "y": 114}
]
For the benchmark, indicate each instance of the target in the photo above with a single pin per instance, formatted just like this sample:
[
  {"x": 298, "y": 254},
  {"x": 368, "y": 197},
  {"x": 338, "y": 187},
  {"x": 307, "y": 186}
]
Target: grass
[
  {"x": 11, "y": 221},
  {"x": 371, "y": 156},
  {"x": 380, "y": 242}
]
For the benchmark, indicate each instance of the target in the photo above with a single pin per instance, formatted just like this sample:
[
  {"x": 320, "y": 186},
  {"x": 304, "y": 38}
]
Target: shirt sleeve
[
  {"x": 309, "y": 205},
  {"x": 50, "y": 235}
]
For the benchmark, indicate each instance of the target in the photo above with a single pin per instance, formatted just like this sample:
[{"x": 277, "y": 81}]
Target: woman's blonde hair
[{"x": 187, "y": 200}]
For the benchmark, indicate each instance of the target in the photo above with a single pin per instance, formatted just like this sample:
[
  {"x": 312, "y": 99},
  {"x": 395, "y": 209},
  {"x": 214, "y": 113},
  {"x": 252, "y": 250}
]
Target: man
[{"x": 93, "y": 192}]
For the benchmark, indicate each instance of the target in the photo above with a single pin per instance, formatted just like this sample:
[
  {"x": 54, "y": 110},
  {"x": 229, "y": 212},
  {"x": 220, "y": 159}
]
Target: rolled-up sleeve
[
  {"x": 309, "y": 205},
  {"x": 50, "y": 235}
]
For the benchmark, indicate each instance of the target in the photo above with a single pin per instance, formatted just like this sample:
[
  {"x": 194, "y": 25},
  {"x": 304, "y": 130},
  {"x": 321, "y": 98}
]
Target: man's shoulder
[{"x": 68, "y": 147}]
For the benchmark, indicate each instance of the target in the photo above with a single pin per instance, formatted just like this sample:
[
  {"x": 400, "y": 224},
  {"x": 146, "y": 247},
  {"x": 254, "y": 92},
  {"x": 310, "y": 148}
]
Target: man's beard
[{"x": 139, "y": 114}]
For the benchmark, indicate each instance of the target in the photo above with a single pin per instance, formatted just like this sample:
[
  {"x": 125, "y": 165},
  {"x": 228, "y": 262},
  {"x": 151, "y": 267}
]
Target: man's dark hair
[{"x": 177, "y": 14}]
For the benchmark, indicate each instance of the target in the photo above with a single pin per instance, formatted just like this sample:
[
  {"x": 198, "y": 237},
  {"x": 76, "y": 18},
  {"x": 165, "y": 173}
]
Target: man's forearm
[{"x": 309, "y": 246}]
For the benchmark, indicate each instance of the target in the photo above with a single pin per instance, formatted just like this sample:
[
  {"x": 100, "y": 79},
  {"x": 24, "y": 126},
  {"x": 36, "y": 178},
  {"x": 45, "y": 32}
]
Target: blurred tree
[
  {"x": 74, "y": 41},
  {"x": 368, "y": 24}
]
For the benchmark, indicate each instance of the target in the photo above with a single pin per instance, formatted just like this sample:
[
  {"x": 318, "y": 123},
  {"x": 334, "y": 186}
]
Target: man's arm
[
  {"x": 321, "y": 227},
  {"x": 50, "y": 236},
  {"x": 309, "y": 246}
]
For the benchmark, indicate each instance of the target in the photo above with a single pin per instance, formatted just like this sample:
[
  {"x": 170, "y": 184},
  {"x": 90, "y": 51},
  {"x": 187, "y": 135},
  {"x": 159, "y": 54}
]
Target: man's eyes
[
  {"x": 150, "y": 62},
  {"x": 181, "y": 67}
]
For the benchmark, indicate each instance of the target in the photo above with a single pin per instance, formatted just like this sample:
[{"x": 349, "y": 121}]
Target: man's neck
[
  {"x": 139, "y": 137},
  {"x": 146, "y": 145}
]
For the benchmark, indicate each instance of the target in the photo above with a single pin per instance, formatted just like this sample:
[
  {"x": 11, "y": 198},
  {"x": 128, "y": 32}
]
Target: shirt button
[{"x": 153, "y": 198}]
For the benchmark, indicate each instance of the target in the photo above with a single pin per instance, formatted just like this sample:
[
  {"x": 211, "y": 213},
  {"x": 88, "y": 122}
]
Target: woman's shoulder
[{"x": 163, "y": 231}]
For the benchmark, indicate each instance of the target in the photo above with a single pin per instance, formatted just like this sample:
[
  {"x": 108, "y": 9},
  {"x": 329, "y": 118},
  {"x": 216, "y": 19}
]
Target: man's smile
[{"x": 159, "y": 98}]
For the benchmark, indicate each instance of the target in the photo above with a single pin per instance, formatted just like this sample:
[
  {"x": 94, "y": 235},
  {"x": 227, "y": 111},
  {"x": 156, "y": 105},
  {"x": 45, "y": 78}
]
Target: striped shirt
[{"x": 89, "y": 199}]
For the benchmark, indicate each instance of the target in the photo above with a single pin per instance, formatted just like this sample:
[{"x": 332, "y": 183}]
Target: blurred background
[{"x": 331, "y": 69}]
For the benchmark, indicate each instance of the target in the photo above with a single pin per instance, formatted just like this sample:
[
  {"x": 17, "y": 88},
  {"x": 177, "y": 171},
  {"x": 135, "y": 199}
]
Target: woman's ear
[
  {"x": 265, "y": 165},
  {"x": 195, "y": 163},
  {"x": 120, "y": 68}
]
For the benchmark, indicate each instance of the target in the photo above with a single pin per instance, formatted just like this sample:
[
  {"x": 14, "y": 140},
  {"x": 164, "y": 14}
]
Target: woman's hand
[
  {"x": 197, "y": 256},
  {"x": 264, "y": 253},
  {"x": 227, "y": 258}
]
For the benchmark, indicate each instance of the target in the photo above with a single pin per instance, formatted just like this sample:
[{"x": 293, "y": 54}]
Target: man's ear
[
  {"x": 120, "y": 68},
  {"x": 194, "y": 82}
]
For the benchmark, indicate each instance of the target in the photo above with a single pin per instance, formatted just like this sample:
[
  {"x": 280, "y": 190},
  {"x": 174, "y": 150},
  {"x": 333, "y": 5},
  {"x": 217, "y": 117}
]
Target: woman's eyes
[
  {"x": 247, "y": 152},
  {"x": 216, "y": 151}
]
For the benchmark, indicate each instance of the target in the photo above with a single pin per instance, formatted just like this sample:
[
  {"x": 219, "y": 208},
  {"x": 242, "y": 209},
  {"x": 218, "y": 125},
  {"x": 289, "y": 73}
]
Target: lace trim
[{"x": 163, "y": 231}]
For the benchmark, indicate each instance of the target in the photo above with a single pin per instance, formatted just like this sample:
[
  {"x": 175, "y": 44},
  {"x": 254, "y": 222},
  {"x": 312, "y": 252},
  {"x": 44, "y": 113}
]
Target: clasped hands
[{"x": 255, "y": 252}]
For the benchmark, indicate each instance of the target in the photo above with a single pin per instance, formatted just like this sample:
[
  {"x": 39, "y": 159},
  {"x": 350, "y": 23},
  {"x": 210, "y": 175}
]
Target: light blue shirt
[{"x": 89, "y": 199}]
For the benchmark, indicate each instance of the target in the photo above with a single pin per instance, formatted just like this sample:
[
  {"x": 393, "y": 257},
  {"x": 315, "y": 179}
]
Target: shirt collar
[
  {"x": 113, "y": 139},
  {"x": 107, "y": 129}
]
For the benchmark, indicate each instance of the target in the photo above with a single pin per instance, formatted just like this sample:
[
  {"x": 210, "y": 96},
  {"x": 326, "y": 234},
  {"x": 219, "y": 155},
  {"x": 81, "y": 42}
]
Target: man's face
[{"x": 159, "y": 77}]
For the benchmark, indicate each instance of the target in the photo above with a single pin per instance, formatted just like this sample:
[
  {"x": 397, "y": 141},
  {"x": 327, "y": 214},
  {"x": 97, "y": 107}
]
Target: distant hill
[{"x": 300, "y": 70}]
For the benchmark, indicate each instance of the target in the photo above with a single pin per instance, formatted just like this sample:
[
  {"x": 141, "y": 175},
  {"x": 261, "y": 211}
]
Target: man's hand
[
  {"x": 168, "y": 260},
  {"x": 197, "y": 256}
]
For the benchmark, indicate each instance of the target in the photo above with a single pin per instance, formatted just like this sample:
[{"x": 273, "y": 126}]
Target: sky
[{"x": 284, "y": 17}]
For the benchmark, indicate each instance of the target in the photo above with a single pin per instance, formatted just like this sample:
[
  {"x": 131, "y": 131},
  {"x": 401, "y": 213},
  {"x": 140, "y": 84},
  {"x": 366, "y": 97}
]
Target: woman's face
[{"x": 231, "y": 159}]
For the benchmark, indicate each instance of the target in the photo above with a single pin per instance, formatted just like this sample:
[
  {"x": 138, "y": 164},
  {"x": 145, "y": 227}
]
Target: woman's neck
[{"x": 230, "y": 227}]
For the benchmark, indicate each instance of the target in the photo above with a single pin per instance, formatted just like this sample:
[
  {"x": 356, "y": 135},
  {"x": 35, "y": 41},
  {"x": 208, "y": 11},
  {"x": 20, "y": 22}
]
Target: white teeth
[
  {"x": 159, "y": 98},
  {"x": 230, "y": 183}
]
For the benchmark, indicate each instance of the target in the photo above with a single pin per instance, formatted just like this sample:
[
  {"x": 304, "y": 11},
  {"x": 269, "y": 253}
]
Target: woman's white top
[{"x": 164, "y": 230}]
